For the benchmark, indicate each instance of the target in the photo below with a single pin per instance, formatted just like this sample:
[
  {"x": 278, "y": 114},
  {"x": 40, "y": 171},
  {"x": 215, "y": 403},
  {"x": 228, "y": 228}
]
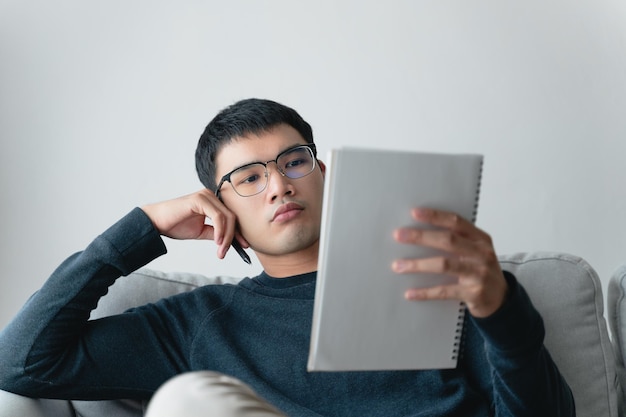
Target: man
[{"x": 264, "y": 189}]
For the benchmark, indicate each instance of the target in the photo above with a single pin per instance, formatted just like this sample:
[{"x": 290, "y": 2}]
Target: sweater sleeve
[
  {"x": 522, "y": 376},
  {"x": 52, "y": 350}
]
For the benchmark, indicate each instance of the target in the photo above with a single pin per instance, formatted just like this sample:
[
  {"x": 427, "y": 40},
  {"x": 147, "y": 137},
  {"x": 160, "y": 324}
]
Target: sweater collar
[{"x": 288, "y": 282}]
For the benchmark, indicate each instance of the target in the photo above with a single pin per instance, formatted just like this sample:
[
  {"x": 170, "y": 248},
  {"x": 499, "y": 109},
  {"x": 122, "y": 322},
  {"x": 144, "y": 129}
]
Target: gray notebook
[{"x": 361, "y": 320}]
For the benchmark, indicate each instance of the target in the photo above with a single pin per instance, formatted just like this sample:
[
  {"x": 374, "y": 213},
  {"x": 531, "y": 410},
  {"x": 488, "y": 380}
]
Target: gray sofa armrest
[{"x": 567, "y": 292}]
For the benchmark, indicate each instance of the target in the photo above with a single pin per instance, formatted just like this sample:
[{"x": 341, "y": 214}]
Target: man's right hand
[{"x": 185, "y": 218}]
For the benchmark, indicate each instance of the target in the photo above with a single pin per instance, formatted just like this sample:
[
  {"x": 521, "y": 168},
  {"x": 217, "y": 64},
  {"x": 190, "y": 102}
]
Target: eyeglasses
[{"x": 251, "y": 179}]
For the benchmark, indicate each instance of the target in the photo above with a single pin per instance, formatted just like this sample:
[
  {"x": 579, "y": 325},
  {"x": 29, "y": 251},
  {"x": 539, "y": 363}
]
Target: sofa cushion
[
  {"x": 568, "y": 293},
  {"x": 147, "y": 286},
  {"x": 616, "y": 303},
  {"x": 616, "y": 300}
]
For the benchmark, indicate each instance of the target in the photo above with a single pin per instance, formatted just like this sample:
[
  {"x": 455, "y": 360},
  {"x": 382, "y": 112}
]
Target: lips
[{"x": 287, "y": 211}]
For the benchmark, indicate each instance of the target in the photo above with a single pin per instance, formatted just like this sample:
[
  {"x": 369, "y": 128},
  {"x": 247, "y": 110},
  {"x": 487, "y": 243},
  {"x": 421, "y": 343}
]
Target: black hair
[{"x": 249, "y": 116}]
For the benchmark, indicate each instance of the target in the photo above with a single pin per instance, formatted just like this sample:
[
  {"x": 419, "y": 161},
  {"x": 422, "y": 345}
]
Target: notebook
[{"x": 361, "y": 320}]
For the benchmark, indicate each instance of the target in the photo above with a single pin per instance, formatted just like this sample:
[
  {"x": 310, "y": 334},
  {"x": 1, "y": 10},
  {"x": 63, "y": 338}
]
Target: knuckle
[
  {"x": 446, "y": 239},
  {"x": 455, "y": 220},
  {"x": 441, "y": 292},
  {"x": 444, "y": 264},
  {"x": 482, "y": 270},
  {"x": 230, "y": 216},
  {"x": 491, "y": 259},
  {"x": 221, "y": 216}
]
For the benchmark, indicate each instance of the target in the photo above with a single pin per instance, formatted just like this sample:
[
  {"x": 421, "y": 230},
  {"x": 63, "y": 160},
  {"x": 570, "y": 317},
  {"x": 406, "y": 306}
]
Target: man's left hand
[{"x": 468, "y": 255}]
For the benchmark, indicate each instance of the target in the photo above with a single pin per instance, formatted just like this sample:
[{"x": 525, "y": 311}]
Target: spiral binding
[
  {"x": 478, "y": 183},
  {"x": 460, "y": 330},
  {"x": 458, "y": 336}
]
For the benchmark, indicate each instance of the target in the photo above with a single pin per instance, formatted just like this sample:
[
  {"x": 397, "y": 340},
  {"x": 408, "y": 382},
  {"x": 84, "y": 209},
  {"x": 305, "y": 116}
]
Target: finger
[
  {"x": 441, "y": 292},
  {"x": 480, "y": 285},
  {"x": 242, "y": 240},
  {"x": 437, "y": 239},
  {"x": 224, "y": 229},
  {"x": 447, "y": 220},
  {"x": 481, "y": 300},
  {"x": 454, "y": 266},
  {"x": 223, "y": 220},
  {"x": 207, "y": 233}
]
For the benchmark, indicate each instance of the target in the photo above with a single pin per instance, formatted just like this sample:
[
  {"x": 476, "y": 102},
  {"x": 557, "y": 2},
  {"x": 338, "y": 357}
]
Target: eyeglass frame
[{"x": 312, "y": 148}]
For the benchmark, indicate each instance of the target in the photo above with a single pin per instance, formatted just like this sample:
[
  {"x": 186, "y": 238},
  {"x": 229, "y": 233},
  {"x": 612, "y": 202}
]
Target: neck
[{"x": 287, "y": 265}]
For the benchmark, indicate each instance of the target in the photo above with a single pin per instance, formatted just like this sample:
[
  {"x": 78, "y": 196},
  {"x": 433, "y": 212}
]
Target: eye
[
  {"x": 250, "y": 179},
  {"x": 296, "y": 159},
  {"x": 295, "y": 163}
]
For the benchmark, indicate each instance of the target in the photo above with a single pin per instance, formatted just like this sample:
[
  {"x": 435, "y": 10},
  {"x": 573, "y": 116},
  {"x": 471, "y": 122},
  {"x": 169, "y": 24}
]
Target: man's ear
[{"x": 322, "y": 166}]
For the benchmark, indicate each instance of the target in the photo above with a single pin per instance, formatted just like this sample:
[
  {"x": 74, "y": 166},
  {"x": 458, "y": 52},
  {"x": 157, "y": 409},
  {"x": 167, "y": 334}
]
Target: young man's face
[{"x": 285, "y": 217}]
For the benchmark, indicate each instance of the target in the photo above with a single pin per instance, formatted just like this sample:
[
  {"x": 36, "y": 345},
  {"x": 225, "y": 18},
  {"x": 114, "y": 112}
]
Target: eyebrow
[{"x": 263, "y": 162}]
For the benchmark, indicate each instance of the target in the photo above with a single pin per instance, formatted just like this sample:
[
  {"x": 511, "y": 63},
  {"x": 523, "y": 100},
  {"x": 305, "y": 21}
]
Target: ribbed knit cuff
[
  {"x": 517, "y": 325},
  {"x": 136, "y": 240}
]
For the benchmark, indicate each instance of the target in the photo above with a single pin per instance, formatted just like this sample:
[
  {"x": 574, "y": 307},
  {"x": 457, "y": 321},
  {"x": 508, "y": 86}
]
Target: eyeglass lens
[{"x": 252, "y": 179}]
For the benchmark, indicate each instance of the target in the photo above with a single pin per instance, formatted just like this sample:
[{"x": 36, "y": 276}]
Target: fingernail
[
  {"x": 412, "y": 295},
  {"x": 421, "y": 212},
  {"x": 402, "y": 234},
  {"x": 400, "y": 265}
]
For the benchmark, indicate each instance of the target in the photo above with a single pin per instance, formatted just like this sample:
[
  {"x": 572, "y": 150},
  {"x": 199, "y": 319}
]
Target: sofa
[
  {"x": 563, "y": 287},
  {"x": 616, "y": 300}
]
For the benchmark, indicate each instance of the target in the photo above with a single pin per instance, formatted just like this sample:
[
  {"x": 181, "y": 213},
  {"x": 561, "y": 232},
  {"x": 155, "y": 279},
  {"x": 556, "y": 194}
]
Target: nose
[{"x": 278, "y": 184}]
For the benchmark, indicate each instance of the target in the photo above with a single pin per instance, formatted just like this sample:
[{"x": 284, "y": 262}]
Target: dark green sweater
[{"x": 258, "y": 331}]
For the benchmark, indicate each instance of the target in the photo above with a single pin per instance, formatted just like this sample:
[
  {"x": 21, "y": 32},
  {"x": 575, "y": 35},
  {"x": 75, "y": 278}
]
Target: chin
[{"x": 284, "y": 244}]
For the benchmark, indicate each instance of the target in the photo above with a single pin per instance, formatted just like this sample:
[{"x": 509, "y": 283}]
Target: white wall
[{"x": 101, "y": 104}]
